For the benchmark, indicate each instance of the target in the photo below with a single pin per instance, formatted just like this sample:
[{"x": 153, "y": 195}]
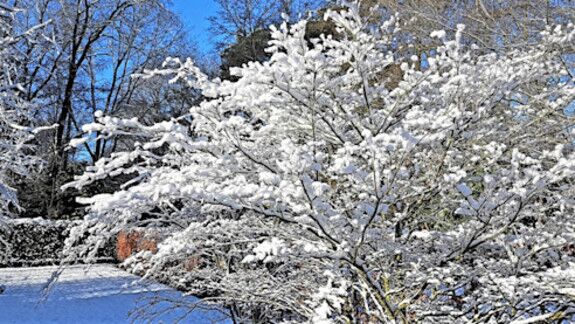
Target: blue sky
[{"x": 194, "y": 15}]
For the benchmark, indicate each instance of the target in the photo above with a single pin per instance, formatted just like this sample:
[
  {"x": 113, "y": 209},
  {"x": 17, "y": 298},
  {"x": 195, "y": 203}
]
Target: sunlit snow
[{"x": 96, "y": 294}]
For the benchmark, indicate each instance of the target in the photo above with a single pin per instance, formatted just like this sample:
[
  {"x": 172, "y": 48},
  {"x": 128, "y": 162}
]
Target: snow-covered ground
[{"x": 96, "y": 294}]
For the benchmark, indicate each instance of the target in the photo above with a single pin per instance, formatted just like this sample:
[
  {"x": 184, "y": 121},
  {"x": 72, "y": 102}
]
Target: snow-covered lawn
[{"x": 98, "y": 294}]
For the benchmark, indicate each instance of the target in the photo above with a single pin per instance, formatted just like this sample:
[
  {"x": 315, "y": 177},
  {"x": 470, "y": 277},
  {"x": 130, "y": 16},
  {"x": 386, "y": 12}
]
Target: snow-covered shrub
[{"x": 311, "y": 190}]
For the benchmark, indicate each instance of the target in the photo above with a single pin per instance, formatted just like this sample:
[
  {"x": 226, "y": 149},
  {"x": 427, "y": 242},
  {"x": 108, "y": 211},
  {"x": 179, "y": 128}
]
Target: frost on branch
[{"x": 310, "y": 189}]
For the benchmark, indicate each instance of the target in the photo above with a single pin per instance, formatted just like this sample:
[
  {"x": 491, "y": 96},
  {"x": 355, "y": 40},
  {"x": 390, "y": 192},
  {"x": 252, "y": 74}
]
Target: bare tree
[
  {"x": 490, "y": 24},
  {"x": 241, "y": 18}
]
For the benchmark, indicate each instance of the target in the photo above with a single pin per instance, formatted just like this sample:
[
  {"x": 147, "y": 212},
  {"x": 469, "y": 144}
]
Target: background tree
[
  {"x": 16, "y": 114},
  {"x": 494, "y": 26},
  {"x": 85, "y": 66},
  {"x": 17, "y": 156},
  {"x": 242, "y": 28}
]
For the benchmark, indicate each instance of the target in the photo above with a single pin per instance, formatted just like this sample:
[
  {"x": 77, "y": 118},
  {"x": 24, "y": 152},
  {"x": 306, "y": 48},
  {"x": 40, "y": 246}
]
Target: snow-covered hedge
[{"x": 38, "y": 241}]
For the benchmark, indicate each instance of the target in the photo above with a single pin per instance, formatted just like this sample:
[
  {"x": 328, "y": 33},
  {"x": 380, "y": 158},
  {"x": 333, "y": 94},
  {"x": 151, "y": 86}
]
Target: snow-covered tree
[
  {"x": 16, "y": 156},
  {"x": 312, "y": 190}
]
